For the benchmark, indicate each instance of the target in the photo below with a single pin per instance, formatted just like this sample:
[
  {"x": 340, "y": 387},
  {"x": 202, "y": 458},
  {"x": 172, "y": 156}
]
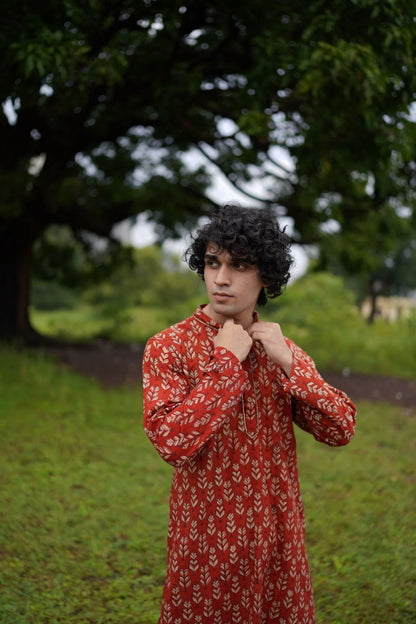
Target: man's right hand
[{"x": 234, "y": 338}]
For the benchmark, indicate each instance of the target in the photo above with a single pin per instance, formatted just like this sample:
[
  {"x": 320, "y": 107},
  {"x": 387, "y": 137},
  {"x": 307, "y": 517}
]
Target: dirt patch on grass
[
  {"x": 377, "y": 389},
  {"x": 112, "y": 364},
  {"x": 116, "y": 364}
]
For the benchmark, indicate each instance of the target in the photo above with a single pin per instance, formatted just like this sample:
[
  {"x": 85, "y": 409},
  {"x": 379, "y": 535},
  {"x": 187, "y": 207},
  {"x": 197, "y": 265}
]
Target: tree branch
[{"x": 234, "y": 183}]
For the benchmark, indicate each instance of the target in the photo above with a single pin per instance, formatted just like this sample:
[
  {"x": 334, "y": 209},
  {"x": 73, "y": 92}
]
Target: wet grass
[{"x": 84, "y": 507}]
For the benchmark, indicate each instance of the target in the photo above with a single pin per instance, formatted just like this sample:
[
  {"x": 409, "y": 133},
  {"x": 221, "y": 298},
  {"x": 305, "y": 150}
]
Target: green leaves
[
  {"x": 344, "y": 70},
  {"x": 118, "y": 98},
  {"x": 51, "y": 52}
]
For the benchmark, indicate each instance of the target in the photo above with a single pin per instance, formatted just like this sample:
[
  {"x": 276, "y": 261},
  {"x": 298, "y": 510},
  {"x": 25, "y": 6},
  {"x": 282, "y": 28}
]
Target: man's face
[{"x": 233, "y": 286}]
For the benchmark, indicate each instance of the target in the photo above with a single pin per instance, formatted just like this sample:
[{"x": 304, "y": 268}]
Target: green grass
[
  {"x": 84, "y": 507},
  {"x": 135, "y": 324},
  {"x": 361, "y": 520}
]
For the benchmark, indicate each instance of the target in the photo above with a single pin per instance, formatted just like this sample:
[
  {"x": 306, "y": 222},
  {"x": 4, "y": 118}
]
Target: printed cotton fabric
[{"x": 236, "y": 543}]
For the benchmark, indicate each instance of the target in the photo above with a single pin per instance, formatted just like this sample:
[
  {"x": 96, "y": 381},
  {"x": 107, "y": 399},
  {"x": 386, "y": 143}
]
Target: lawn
[{"x": 84, "y": 507}]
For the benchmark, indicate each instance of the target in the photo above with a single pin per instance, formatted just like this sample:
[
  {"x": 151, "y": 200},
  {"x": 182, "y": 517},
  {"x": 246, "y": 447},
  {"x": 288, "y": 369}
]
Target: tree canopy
[{"x": 106, "y": 103}]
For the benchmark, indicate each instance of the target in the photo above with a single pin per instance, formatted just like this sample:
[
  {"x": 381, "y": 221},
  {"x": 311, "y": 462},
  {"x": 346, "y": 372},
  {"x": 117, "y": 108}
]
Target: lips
[{"x": 221, "y": 296}]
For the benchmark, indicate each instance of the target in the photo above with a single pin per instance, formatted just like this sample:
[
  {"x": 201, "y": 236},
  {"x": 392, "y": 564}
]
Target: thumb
[
  {"x": 251, "y": 329},
  {"x": 229, "y": 321}
]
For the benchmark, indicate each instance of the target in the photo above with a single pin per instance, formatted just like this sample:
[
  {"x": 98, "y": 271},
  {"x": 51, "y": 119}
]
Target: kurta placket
[{"x": 236, "y": 543}]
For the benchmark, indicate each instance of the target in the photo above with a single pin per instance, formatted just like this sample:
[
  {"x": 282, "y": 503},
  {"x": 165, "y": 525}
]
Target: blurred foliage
[
  {"x": 398, "y": 274},
  {"x": 147, "y": 277},
  {"x": 316, "y": 299},
  {"x": 319, "y": 312},
  {"x": 76, "y": 259},
  {"x": 50, "y": 295},
  {"x": 111, "y": 105},
  {"x": 153, "y": 278}
]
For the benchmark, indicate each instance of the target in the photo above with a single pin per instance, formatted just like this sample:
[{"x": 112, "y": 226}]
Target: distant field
[
  {"x": 84, "y": 507},
  {"x": 337, "y": 337}
]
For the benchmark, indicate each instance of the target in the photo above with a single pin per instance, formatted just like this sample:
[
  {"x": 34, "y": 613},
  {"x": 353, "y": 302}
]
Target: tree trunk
[
  {"x": 374, "y": 288},
  {"x": 15, "y": 280},
  {"x": 373, "y": 308}
]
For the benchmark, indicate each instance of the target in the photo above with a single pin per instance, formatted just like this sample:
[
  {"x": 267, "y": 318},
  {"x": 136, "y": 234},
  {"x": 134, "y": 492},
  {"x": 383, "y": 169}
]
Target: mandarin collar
[{"x": 203, "y": 318}]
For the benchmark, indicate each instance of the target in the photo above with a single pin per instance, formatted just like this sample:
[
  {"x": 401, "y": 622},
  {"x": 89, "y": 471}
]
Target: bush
[
  {"x": 153, "y": 279},
  {"x": 52, "y": 296},
  {"x": 318, "y": 312},
  {"x": 316, "y": 300}
]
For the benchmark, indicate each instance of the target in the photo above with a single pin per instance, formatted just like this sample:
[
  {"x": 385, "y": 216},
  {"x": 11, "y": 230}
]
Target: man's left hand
[{"x": 273, "y": 341}]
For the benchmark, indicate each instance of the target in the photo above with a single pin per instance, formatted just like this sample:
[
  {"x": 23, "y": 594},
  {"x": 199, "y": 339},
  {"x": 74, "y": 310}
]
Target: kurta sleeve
[
  {"x": 178, "y": 419},
  {"x": 318, "y": 408}
]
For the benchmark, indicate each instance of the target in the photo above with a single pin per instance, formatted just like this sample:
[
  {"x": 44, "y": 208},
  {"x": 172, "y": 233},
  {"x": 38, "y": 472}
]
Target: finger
[
  {"x": 254, "y": 335},
  {"x": 254, "y": 329},
  {"x": 229, "y": 321}
]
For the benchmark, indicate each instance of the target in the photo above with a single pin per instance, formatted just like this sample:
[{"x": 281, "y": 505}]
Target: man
[{"x": 221, "y": 392}]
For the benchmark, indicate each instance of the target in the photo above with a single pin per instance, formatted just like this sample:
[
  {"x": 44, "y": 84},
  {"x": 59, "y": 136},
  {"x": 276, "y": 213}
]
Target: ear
[
  {"x": 262, "y": 298},
  {"x": 263, "y": 283}
]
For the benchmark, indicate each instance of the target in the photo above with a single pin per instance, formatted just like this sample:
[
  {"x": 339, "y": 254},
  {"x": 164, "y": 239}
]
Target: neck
[{"x": 245, "y": 319}]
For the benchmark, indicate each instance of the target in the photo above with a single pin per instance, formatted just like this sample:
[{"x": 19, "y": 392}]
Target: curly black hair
[{"x": 250, "y": 233}]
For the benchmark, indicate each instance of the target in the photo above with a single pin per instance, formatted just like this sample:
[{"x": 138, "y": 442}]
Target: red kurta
[{"x": 236, "y": 544}]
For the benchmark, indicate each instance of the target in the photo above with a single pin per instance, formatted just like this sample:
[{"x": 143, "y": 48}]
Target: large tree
[{"x": 102, "y": 99}]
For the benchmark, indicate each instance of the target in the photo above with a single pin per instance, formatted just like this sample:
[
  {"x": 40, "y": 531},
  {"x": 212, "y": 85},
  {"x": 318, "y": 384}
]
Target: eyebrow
[{"x": 233, "y": 258}]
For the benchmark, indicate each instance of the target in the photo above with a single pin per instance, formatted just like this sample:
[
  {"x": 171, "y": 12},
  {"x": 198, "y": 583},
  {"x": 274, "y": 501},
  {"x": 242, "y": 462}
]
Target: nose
[{"x": 223, "y": 275}]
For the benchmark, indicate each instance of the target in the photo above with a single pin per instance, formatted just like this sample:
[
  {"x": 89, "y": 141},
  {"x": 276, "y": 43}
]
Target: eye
[
  {"x": 209, "y": 262},
  {"x": 240, "y": 266}
]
